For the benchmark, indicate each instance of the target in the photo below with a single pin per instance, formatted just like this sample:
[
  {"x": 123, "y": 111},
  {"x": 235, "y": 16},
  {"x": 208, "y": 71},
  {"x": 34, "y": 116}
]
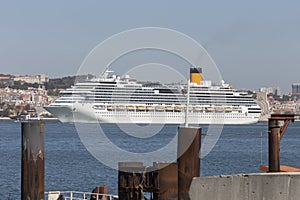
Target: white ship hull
[{"x": 84, "y": 113}]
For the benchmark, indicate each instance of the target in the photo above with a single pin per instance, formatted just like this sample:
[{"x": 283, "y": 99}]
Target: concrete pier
[{"x": 275, "y": 186}]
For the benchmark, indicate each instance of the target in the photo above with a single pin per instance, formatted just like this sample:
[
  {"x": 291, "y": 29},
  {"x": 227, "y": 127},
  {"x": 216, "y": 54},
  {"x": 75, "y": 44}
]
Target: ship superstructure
[{"x": 112, "y": 99}]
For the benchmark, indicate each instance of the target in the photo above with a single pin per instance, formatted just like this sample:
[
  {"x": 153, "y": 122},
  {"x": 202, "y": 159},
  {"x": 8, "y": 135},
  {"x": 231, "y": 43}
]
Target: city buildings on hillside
[
  {"x": 9, "y": 80},
  {"x": 262, "y": 101},
  {"x": 39, "y": 79},
  {"x": 271, "y": 101},
  {"x": 6, "y": 80},
  {"x": 271, "y": 90},
  {"x": 296, "y": 90},
  {"x": 17, "y": 101},
  {"x": 34, "y": 96}
]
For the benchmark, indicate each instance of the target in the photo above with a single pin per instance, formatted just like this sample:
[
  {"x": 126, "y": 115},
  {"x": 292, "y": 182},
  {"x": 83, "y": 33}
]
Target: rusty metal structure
[
  {"x": 189, "y": 142},
  {"x": 32, "y": 170},
  {"x": 102, "y": 189},
  {"x": 278, "y": 124},
  {"x": 135, "y": 180},
  {"x": 167, "y": 181},
  {"x": 163, "y": 181}
]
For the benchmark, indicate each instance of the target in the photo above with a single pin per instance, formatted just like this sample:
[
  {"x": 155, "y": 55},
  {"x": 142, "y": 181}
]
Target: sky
[{"x": 254, "y": 43}]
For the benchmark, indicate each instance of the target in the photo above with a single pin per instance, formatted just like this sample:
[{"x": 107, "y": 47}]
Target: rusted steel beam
[
  {"x": 283, "y": 116},
  {"x": 189, "y": 142},
  {"x": 286, "y": 118},
  {"x": 284, "y": 127},
  {"x": 32, "y": 170}
]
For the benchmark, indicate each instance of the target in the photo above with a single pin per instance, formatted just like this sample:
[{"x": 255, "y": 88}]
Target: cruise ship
[{"x": 114, "y": 99}]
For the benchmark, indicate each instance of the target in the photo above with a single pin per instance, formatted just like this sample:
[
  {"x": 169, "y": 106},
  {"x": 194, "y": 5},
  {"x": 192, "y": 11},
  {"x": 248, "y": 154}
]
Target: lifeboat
[
  {"x": 141, "y": 108},
  {"x": 198, "y": 108},
  {"x": 121, "y": 107},
  {"x": 219, "y": 109},
  {"x": 169, "y": 108},
  {"x": 159, "y": 108},
  {"x": 178, "y": 108},
  {"x": 209, "y": 109},
  {"x": 228, "y": 109},
  {"x": 190, "y": 108},
  {"x": 130, "y": 108},
  {"x": 150, "y": 108},
  {"x": 110, "y": 107}
]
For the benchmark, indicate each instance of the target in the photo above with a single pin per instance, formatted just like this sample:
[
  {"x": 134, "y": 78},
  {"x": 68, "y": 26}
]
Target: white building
[
  {"x": 271, "y": 90},
  {"x": 39, "y": 79}
]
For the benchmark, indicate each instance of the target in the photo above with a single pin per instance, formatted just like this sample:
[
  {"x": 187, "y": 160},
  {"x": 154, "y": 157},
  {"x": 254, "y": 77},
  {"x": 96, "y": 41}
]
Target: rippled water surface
[{"x": 69, "y": 166}]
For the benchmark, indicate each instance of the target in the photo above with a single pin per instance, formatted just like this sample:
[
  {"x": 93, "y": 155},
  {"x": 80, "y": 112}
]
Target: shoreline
[
  {"x": 5, "y": 118},
  {"x": 45, "y": 118},
  {"x": 266, "y": 120}
]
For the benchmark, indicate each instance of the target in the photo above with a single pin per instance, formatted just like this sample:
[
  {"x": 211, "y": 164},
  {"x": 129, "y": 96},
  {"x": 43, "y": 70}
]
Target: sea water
[{"x": 69, "y": 166}]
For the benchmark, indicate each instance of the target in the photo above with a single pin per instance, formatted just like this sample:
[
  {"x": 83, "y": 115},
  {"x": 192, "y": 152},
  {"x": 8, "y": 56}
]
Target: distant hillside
[{"x": 65, "y": 82}]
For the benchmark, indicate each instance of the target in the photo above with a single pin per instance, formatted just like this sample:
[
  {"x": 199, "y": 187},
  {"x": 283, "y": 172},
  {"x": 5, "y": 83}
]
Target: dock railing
[{"x": 75, "y": 195}]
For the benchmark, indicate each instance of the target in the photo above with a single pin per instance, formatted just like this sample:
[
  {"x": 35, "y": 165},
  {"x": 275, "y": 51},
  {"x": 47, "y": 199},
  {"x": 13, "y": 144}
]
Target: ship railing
[{"x": 75, "y": 195}]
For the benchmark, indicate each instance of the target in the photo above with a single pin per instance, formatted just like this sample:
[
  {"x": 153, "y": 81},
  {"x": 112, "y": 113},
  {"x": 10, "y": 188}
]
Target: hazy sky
[{"x": 254, "y": 43}]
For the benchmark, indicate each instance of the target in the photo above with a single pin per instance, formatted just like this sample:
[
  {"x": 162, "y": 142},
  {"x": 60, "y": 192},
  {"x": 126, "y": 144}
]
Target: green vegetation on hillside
[{"x": 65, "y": 82}]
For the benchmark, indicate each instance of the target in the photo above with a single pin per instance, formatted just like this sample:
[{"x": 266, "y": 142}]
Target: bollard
[
  {"x": 189, "y": 142},
  {"x": 32, "y": 169}
]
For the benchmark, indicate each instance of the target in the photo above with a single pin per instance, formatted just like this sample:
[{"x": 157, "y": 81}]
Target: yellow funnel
[{"x": 196, "y": 75}]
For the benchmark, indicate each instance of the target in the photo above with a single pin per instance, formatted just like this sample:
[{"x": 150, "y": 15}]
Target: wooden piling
[{"x": 32, "y": 170}]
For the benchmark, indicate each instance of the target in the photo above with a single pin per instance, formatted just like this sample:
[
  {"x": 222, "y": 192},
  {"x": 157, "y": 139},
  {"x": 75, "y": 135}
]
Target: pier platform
[
  {"x": 283, "y": 168},
  {"x": 275, "y": 186}
]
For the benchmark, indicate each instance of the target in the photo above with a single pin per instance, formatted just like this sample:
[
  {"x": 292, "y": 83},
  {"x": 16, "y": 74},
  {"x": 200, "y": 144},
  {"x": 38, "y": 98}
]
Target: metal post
[
  {"x": 186, "y": 122},
  {"x": 32, "y": 172},
  {"x": 274, "y": 145},
  {"x": 189, "y": 142}
]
